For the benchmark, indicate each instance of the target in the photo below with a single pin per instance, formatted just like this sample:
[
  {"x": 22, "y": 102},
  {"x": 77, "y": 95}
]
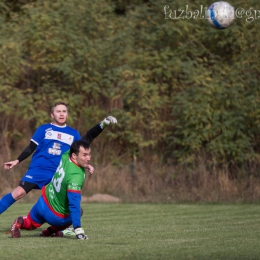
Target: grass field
[{"x": 144, "y": 231}]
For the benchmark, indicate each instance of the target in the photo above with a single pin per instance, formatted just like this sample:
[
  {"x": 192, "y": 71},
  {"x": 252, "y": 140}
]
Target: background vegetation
[{"x": 186, "y": 95}]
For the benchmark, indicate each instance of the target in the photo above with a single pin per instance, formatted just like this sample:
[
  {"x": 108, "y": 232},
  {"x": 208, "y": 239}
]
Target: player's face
[
  {"x": 60, "y": 115},
  {"x": 83, "y": 157}
]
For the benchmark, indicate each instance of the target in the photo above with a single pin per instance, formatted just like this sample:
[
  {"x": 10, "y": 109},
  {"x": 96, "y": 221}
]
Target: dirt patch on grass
[{"x": 100, "y": 198}]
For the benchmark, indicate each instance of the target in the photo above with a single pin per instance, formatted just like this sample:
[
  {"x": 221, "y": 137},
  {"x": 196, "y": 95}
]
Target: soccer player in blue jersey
[{"x": 48, "y": 143}]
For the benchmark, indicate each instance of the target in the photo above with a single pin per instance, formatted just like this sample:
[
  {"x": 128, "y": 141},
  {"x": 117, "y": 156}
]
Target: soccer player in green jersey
[{"x": 59, "y": 204}]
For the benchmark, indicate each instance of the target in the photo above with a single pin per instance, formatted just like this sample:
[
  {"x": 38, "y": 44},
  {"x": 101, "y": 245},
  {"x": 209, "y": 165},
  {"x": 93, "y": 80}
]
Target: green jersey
[{"x": 64, "y": 190}]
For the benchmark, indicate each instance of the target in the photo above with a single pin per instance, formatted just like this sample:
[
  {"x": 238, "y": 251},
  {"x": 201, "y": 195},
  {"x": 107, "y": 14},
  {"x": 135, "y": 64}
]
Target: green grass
[{"x": 144, "y": 231}]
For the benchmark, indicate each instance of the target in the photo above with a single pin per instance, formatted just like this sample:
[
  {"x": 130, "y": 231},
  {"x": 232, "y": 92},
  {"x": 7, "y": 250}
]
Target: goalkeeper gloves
[
  {"x": 80, "y": 234},
  {"x": 107, "y": 121}
]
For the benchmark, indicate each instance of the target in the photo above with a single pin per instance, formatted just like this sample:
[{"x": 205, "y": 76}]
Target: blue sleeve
[
  {"x": 38, "y": 135},
  {"x": 77, "y": 136},
  {"x": 74, "y": 206}
]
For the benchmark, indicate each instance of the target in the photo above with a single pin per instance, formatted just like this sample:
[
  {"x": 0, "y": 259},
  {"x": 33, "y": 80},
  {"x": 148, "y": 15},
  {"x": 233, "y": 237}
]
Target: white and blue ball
[{"x": 220, "y": 15}]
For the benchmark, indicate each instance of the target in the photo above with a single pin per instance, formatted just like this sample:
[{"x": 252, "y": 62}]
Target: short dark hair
[
  {"x": 76, "y": 145},
  {"x": 59, "y": 103}
]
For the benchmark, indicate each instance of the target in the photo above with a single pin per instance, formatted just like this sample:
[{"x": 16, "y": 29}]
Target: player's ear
[
  {"x": 74, "y": 156},
  {"x": 52, "y": 116}
]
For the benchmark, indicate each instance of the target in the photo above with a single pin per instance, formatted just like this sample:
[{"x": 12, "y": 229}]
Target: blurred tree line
[{"x": 178, "y": 87}]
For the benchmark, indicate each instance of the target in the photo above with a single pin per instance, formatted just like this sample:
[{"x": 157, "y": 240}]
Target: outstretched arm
[
  {"x": 97, "y": 129},
  {"x": 25, "y": 153},
  {"x": 74, "y": 197}
]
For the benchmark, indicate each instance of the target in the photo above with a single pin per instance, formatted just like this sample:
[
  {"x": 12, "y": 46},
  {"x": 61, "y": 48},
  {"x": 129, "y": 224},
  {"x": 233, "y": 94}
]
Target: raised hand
[{"x": 107, "y": 121}]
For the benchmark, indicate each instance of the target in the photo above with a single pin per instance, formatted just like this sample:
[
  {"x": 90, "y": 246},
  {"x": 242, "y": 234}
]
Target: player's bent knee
[{"x": 18, "y": 193}]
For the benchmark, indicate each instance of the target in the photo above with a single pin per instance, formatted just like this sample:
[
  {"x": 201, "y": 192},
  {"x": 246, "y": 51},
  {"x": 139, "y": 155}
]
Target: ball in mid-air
[{"x": 220, "y": 15}]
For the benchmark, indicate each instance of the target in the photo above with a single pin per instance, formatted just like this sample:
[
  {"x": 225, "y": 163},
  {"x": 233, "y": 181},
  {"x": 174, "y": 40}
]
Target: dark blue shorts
[{"x": 41, "y": 213}]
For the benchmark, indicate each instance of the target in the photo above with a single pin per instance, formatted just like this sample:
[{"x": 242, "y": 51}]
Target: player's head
[
  {"x": 80, "y": 153},
  {"x": 59, "y": 113}
]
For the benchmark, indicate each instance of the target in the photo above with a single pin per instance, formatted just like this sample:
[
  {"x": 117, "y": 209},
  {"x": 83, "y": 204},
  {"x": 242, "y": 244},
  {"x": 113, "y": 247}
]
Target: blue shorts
[
  {"x": 38, "y": 176},
  {"x": 41, "y": 213}
]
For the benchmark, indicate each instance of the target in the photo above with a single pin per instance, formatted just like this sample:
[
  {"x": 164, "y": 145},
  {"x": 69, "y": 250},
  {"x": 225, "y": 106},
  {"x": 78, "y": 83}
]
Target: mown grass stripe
[{"x": 145, "y": 231}]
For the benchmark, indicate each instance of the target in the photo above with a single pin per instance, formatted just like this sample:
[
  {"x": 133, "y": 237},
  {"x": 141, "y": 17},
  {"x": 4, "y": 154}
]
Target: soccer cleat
[{"x": 16, "y": 226}]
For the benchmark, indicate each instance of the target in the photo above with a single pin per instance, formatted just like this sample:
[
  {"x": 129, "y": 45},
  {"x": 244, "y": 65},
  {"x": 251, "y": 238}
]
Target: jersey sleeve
[
  {"x": 74, "y": 207},
  {"x": 38, "y": 135},
  {"x": 77, "y": 136},
  {"x": 74, "y": 196},
  {"x": 92, "y": 134},
  {"x": 27, "y": 151}
]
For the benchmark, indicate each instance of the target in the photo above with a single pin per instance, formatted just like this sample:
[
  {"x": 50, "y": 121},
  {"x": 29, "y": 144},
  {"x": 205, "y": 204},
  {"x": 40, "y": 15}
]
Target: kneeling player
[{"x": 59, "y": 204}]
